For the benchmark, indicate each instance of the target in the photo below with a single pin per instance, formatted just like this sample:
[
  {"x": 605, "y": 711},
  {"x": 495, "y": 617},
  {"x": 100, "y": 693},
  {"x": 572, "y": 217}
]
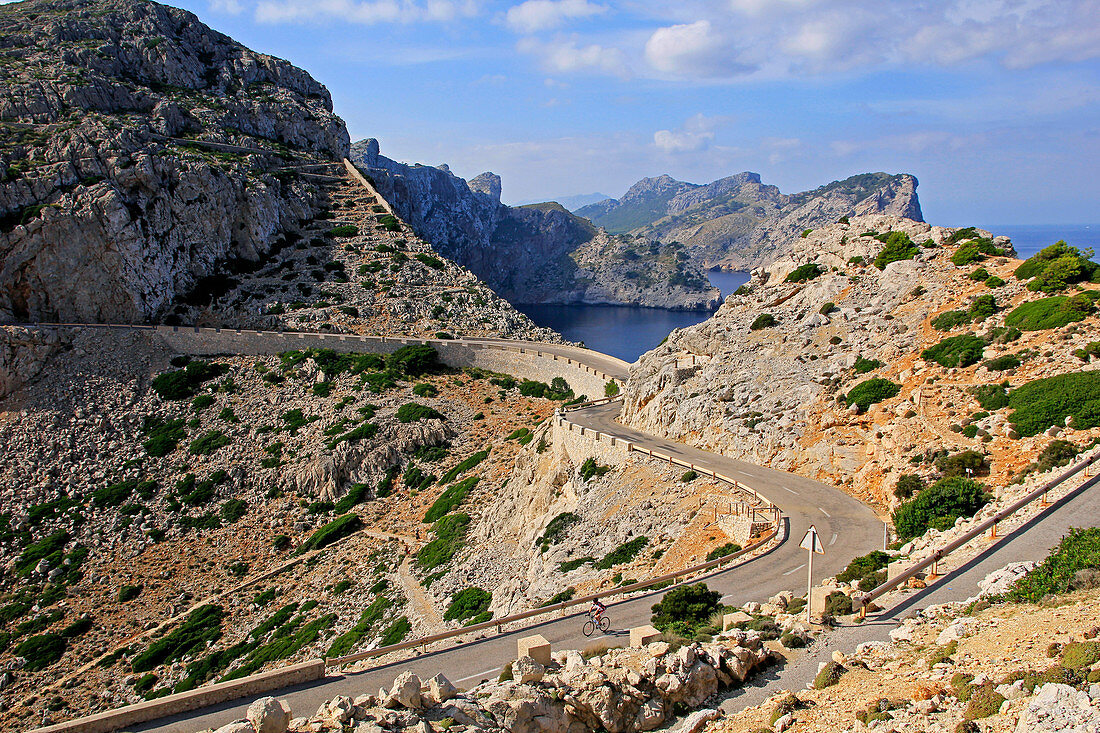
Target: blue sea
[{"x": 1030, "y": 238}]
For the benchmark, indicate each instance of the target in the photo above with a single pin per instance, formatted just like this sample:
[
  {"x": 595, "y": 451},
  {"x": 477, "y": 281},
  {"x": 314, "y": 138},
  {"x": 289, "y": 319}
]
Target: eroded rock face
[
  {"x": 107, "y": 209},
  {"x": 23, "y": 354},
  {"x": 532, "y": 254}
]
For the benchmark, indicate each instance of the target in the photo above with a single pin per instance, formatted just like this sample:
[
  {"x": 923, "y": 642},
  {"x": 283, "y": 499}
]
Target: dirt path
[{"x": 420, "y": 602}]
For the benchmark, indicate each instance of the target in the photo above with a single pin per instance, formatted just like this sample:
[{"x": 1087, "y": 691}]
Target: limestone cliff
[
  {"x": 140, "y": 150},
  {"x": 738, "y": 222},
  {"x": 533, "y": 254},
  {"x": 770, "y": 376}
]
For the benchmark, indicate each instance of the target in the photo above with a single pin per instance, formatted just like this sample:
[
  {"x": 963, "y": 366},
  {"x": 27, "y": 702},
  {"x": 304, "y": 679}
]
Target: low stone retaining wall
[{"x": 193, "y": 699}]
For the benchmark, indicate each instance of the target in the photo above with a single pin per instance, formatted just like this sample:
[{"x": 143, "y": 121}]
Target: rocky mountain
[
  {"x": 738, "y": 222},
  {"x": 532, "y": 254},
  {"x": 576, "y": 201},
  {"x": 139, "y": 152}
]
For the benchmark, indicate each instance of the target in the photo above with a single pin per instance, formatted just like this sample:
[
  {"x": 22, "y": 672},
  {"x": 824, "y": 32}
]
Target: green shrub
[
  {"x": 183, "y": 383},
  {"x": 1042, "y": 403},
  {"x": 1057, "y": 453},
  {"x": 908, "y": 484},
  {"x": 991, "y": 396},
  {"x": 162, "y": 436},
  {"x": 1080, "y": 655},
  {"x": 389, "y": 223},
  {"x": 1079, "y": 550},
  {"x": 202, "y": 625},
  {"x": 569, "y": 566},
  {"x": 611, "y": 389},
  {"x": 128, "y": 593},
  {"x": 466, "y": 603},
  {"x": 1091, "y": 349},
  {"x": 722, "y": 550},
  {"x": 764, "y": 320},
  {"x": 993, "y": 282},
  {"x": 1002, "y": 363},
  {"x": 414, "y": 412},
  {"x": 624, "y": 553},
  {"x": 201, "y": 402},
  {"x": 804, "y": 273},
  {"x": 871, "y": 392},
  {"x": 208, "y": 443},
  {"x": 423, "y": 389},
  {"x": 368, "y": 619},
  {"x": 982, "y": 307},
  {"x": 79, "y": 627},
  {"x": 838, "y": 603},
  {"x": 590, "y": 468},
  {"x": 414, "y": 361},
  {"x": 827, "y": 308},
  {"x": 958, "y": 463},
  {"x": 864, "y": 567},
  {"x": 365, "y": 431},
  {"x": 41, "y": 651},
  {"x": 49, "y": 548},
  {"x": 433, "y": 262},
  {"x": 956, "y": 351},
  {"x": 463, "y": 466},
  {"x": 689, "y": 476},
  {"x": 343, "y": 231},
  {"x": 950, "y": 319},
  {"x": 233, "y": 510},
  {"x": 396, "y": 632},
  {"x": 450, "y": 534},
  {"x": 335, "y": 530},
  {"x": 562, "y": 597},
  {"x": 686, "y": 608},
  {"x": 1056, "y": 266},
  {"x": 979, "y": 274},
  {"x": 862, "y": 366},
  {"x": 939, "y": 506},
  {"x": 556, "y": 529},
  {"x": 898, "y": 247},
  {"x": 1053, "y": 312},
  {"x": 984, "y": 701},
  {"x": 451, "y": 497},
  {"x": 829, "y": 675}
]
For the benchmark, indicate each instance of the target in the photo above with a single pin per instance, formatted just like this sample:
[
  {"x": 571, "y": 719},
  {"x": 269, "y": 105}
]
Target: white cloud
[
  {"x": 696, "y": 134},
  {"x": 232, "y": 7},
  {"x": 539, "y": 15},
  {"x": 693, "y": 49},
  {"x": 365, "y": 12},
  {"x": 568, "y": 56}
]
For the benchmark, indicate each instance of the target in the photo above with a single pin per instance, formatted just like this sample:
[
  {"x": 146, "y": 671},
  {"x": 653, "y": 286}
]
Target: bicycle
[{"x": 603, "y": 623}]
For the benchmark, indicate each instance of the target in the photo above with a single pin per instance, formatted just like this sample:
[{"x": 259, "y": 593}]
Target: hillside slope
[
  {"x": 738, "y": 222},
  {"x": 539, "y": 253},
  {"x": 114, "y": 196}
]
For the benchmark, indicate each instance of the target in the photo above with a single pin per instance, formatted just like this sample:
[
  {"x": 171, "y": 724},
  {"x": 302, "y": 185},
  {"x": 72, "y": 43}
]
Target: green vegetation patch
[
  {"x": 450, "y": 536},
  {"x": 41, "y": 651},
  {"x": 414, "y": 412},
  {"x": 866, "y": 570},
  {"x": 183, "y": 383},
  {"x": 451, "y": 497},
  {"x": 468, "y": 603},
  {"x": 764, "y": 320},
  {"x": 862, "y": 366},
  {"x": 464, "y": 466},
  {"x": 433, "y": 262},
  {"x": 1002, "y": 363},
  {"x": 208, "y": 443},
  {"x": 366, "y": 431},
  {"x": 558, "y": 389},
  {"x": 202, "y": 625},
  {"x": 624, "y": 553},
  {"x": 939, "y": 506},
  {"x": 161, "y": 436},
  {"x": 956, "y": 351},
  {"x": 722, "y": 550},
  {"x": 686, "y": 609},
  {"x": 1079, "y": 550},
  {"x": 898, "y": 246},
  {"x": 335, "y": 530},
  {"x": 368, "y": 620},
  {"x": 871, "y": 391},
  {"x": 805, "y": 273},
  {"x": 1055, "y": 267},
  {"x": 1043, "y": 403},
  {"x": 1053, "y": 312},
  {"x": 556, "y": 530},
  {"x": 590, "y": 469}
]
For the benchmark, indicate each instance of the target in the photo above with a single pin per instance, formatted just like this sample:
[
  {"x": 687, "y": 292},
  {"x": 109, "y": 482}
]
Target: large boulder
[
  {"x": 268, "y": 715},
  {"x": 406, "y": 691},
  {"x": 526, "y": 669}
]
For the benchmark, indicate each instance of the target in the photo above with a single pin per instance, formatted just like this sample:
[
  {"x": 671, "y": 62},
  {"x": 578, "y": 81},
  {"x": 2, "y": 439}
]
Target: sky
[{"x": 993, "y": 104}]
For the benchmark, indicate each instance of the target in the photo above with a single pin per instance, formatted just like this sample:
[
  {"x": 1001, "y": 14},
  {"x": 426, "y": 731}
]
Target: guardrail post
[{"x": 993, "y": 532}]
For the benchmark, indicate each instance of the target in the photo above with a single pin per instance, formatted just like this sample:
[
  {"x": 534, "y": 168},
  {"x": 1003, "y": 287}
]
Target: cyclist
[{"x": 597, "y": 610}]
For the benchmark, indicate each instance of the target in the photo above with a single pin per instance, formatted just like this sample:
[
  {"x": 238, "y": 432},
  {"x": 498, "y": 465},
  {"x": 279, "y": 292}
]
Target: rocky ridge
[
  {"x": 532, "y": 254},
  {"x": 738, "y": 222},
  {"x": 775, "y": 394},
  {"x": 141, "y": 151}
]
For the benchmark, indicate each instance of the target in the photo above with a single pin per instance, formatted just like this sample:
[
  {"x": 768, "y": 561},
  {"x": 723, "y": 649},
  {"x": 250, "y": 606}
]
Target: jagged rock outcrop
[
  {"x": 532, "y": 254},
  {"x": 141, "y": 150},
  {"x": 738, "y": 222}
]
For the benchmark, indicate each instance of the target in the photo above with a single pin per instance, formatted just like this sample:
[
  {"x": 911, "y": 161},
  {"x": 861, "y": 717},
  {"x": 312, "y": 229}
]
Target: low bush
[
  {"x": 862, "y": 366},
  {"x": 957, "y": 464},
  {"x": 827, "y": 308},
  {"x": 1002, "y": 363},
  {"x": 396, "y": 632},
  {"x": 984, "y": 702},
  {"x": 871, "y": 392},
  {"x": 467, "y": 603},
  {"x": 993, "y": 282},
  {"x": 184, "y": 383},
  {"x": 202, "y": 625},
  {"x": 162, "y": 436},
  {"x": 414, "y": 361},
  {"x": 569, "y": 566},
  {"x": 49, "y": 548},
  {"x": 982, "y": 307},
  {"x": 805, "y": 273},
  {"x": 463, "y": 466},
  {"x": 898, "y": 246},
  {"x": 562, "y": 597},
  {"x": 208, "y": 443},
  {"x": 556, "y": 530},
  {"x": 979, "y": 274},
  {"x": 689, "y": 476},
  {"x": 686, "y": 608},
  {"x": 611, "y": 389},
  {"x": 41, "y": 651},
  {"x": 837, "y": 603},
  {"x": 908, "y": 484},
  {"x": 950, "y": 319},
  {"x": 1079, "y": 550},
  {"x": 1042, "y": 403},
  {"x": 450, "y": 535},
  {"x": 389, "y": 222},
  {"x": 433, "y": 262},
  {"x": 423, "y": 389},
  {"x": 365, "y": 431},
  {"x": 343, "y": 231},
  {"x": 1080, "y": 655},
  {"x": 722, "y": 550},
  {"x": 1053, "y": 312},
  {"x": 1057, "y": 266},
  {"x": 414, "y": 412},
  {"x": 590, "y": 469},
  {"x": 829, "y": 675},
  {"x": 991, "y": 396},
  {"x": 764, "y": 320},
  {"x": 451, "y": 497},
  {"x": 939, "y": 506},
  {"x": 233, "y": 510},
  {"x": 864, "y": 567},
  {"x": 956, "y": 351},
  {"x": 128, "y": 593},
  {"x": 368, "y": 619},
  {"x": 327, "y": 534},
  {"x": 624, "y": 553},
  {"x": 1057, "y": 453}
]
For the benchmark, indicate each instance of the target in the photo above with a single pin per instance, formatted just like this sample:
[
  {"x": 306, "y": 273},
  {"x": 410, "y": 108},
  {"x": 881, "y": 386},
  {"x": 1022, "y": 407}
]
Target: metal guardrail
[{"x": 977, "y": 531}]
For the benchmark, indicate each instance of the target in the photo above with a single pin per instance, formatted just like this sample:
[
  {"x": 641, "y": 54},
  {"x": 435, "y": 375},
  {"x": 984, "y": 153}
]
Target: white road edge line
[
  {"x": 824, "y": 512},
  {"x": 790, "y": 490},
  {"x": 745, "y": 473},
  {"x": 479, "y": 674},
  {"x": 796, "y": 569},
  {"x": 832, "y": 540}
]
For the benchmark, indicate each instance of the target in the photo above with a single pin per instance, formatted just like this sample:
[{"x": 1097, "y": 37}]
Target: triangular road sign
[{"x": 812, "y": 542}]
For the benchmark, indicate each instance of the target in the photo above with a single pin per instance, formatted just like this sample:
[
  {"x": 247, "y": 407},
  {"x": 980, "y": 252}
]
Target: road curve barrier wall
[{"x": 184, "y": 702}]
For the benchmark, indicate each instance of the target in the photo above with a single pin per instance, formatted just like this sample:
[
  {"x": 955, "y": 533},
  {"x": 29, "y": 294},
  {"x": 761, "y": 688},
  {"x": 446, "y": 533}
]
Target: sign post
[{"x": 812, "y": 544}]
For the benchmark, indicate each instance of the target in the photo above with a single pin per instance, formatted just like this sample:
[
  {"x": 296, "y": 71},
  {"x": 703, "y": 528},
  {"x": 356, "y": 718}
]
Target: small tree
[{"x": 686, "y": 608}]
